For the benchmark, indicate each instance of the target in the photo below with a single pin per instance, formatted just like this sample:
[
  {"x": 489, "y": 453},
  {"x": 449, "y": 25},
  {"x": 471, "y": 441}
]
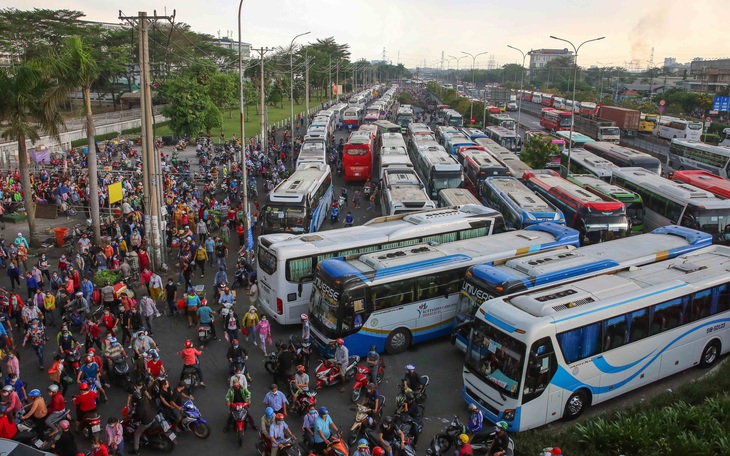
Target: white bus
[
  {"x": 679, "y": 128},
  {"x": 685, "y": 154},
  {"x": 538, "y": 356},
  {"x": 402, "y": 191},
  {"x": 300, "y": 203},
  {"x": 584, "y": 162},
  {"x": 505, "y": 138},
  {"x": 437, "y": 168},
  {"x": 456, "y": 197},
  {"x": 393, "y": 151},
  {"x": 285, "y": 263},
  {"x": 394, "y": 298},
  {"x": 313, "y": 151},
  {"x": 675, "y": 203}
]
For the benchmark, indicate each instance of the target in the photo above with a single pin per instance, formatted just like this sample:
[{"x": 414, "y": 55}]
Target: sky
[{"x": 416, "y": 31}]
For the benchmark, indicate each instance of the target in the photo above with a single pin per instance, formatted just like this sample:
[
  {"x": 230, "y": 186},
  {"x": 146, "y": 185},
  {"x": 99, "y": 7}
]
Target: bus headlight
[{"x": 508, "y": 415}]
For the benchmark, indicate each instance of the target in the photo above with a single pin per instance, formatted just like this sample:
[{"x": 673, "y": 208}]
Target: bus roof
[
  {"x": 588, "y": 180},
  {"x": 521, "y": 197},
  {"x": 597, "y": 165},
  {"x": 302, "y": 182},
  {"x": 359, "y": 137},
  {"x": 704, "y": 180},
  {"x": 551, "y": 182},
  {"x": 577, "y": 137}
]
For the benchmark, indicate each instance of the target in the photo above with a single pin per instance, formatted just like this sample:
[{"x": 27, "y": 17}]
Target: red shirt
[
  {"x": 56, "y": 404},
  {"x": 155, "y": 367},
  {"x": 231, "y": 214},
  {"x": 188, "y": 356},
  {"x": 8, "y": 429},
  {"x": 102, "y": 451},
  {"x": 86, "y": 401}
]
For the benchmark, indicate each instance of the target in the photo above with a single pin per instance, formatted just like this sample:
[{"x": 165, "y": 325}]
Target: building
[
  {"x": 710, "y": 76},
  {"x": 540, "y": 57},
  {"x": 232, "y": 44}
]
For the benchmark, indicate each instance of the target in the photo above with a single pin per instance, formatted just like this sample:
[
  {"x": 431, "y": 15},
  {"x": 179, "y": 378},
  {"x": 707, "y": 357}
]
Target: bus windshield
[
  {"x": 496, "y": 358},
  {"x": 509, "y": 143},
  {"x": 635, "y": 212},
  {"x": 601, "y": 228},
  {"x": 284, "y": 218},
  {"x": 610, "y": 131},
  {"x": 565, "y": 121},
  {"x": 712, "y": 221},
  {"x": 325, "y": 306},
  {"x": 446, "y": 180}
]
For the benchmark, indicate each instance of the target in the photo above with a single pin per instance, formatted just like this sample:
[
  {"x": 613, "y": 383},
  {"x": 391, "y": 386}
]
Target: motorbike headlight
[{"x": 508, "y": 415}]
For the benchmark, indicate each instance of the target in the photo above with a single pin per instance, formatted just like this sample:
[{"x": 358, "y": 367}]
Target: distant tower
[
  {"x": 384, "y": 59},
  {"x": 442, "y": 60},
  {"x": 651, "y": 59},
  {"x": 492, "y": 64}
]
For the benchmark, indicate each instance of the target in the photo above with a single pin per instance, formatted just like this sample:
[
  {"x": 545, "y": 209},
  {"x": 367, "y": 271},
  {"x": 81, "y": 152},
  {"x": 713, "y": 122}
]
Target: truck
[
  {"x": 499, "y": 96},
  {"x": 627, "y": 120},
  {"x": 600, "y": 130}
]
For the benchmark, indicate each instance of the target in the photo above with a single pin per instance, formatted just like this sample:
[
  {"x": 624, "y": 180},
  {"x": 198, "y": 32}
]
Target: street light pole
[
  {"x": 575, "y": 80},
  {"x": 243, "y": 128},
  {"x": 456, "y": 75},
  {"x": 291, "y": 87},
  {"x": 522, "y": 83},
  {"x": 473, "y": 62}
]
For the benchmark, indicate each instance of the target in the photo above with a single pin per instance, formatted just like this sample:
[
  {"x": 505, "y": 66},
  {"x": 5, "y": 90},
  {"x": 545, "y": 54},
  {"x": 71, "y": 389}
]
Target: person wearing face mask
[
  {"x": 237, "y": 394},
  {"x": 44, "y": 267},
  {"x": 66, "y": 341},
  {"x": 250, "y": 320},
  {"x": 171, "y": 297},
  {"x": 37, "y": 338},
  {"x": 91, "y": 373},
  {"x": 10, "y": 399},
  {"x": 98, "y": 448},
  {"x": 87, "y": 288}
]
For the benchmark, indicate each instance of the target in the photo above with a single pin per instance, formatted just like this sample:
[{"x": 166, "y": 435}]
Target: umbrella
[
  {"x": 61, "y": 189},
  {"x": 13, "y": 448}
]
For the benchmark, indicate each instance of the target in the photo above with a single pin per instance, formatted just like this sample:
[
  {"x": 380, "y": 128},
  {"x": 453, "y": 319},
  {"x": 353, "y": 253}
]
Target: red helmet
[
  {"x": 279, "y": 416},
  {"x": 91, "y": 350},
  {"x": 83, "y": 386},
  {"x": 377, "y": 451},
  {"x": 301, "y": 369},
  {"x": 188, "y": 344},
  {"x": 235, "y": 342},
  {"x": 340, "y": 341}
]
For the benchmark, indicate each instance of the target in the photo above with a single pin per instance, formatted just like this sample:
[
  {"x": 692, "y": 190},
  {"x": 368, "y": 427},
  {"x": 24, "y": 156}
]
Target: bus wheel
[
  {"x": 398, "y": 341},
  {"x": 576, "y": 405},
  {"x": 710, "y": 354}
]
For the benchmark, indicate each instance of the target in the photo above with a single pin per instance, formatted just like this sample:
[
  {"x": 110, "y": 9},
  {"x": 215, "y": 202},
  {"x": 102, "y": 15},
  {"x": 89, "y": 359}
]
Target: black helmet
[
  {"x": 410, "y": 396},
  {"x": 136, "y": 397},
  {"x": 279, "y": 343},
  {"x": 388, "y": 420}
]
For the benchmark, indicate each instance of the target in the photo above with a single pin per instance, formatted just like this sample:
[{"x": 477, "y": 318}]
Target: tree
[
  {"x": 75, "y": 67},
  {"x": 30, "y": 34},
  {"x": 538, "y": 150},
  {"x": 223, "y": 91},
  {"x": 28, "y": 107},
  {"x": 212, "y": 118},
  {"x": 187, "y": 104}
]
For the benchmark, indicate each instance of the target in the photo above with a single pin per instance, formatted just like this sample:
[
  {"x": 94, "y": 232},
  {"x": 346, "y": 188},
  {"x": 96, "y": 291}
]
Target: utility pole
[
  {"x": 337, "y": 82},
  {"x": 306, "y": 90},
  {"x": 262, "y": 94},
  {"x": 329, "y": 73},
  {"x": 151, "y": 177}
]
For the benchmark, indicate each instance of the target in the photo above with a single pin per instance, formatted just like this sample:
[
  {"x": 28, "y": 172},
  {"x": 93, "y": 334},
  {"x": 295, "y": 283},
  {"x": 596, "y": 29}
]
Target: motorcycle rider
[
  {"x": 308, "y": 426},
  {"x": 266, "y": 421},
  {"x": 371, "y": 400},
  {"x": 500, "y": 443},
  {"x": 236, "y": 355},
  {"x": 113, "y": 351},
  {"x": 342, "y": 357},
  {"x": 305, "y": 328},
  {"x": 388, "y": 434},
  {"x": 323, "y": 427},
  {"x": 464, "y": 447},
  {"x": 286, "y": 362},
  {"x": 238, "y": 394},
  {"x": 85, "y": 404},
  {"x": 37, "y": 412},
  {"x": 412, "y": 380},
  {"x": 373, "y": 361},
  {"x": 276, "y": 399},
  {"x": 190, "y": 360},
  {"x": 205, "y": 316},
  {"x": 278, "y": 432},
  {"x": 475, "y": 423},
  {"x": 56, "y": 405},
  {"x": 145, "y": 414},
  {"x": 301, "y": 382},
  {"x": 363, "y": 448}
]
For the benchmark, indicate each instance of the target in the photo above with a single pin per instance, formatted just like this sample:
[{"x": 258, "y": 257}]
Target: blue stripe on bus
[
  {"x": 499, "y": 323},
  {"x": 620, "y": 303},
  {"x": 514, "y": 425},
  {"x": 693, "y": 237},
  {"x": 603, "y": 365},
  {"x": 565, "y": 380},
  {"x": 425, "y": 264},
  {"x": 573, "y": 271}
]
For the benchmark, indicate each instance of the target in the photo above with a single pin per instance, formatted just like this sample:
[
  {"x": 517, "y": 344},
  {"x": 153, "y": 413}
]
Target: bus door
[
  {"x": 437, "y": 296},
  {"x": 541, "y": 368}
]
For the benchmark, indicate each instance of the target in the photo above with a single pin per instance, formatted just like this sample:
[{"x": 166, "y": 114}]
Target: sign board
[
  {"x": 721, "y": 104},
  {"x": 661, "y": 109},
  {"x": 115, "y": 192},
  {"x": 336, "y": 89},
  {"x": 662, "y": 103}
]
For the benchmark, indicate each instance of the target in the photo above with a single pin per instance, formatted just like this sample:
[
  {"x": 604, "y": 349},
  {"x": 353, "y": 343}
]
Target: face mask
[
  {"x": 141, "y": 337},
  {"x": 65, "y": 336},
  {"x": 312, "y": 412},
  {"x": 235, "y": 346}
]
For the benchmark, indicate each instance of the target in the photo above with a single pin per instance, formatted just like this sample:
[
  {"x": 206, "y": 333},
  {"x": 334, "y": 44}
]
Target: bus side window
[
  {"x": 541, "y": 367},
  {"x": 639, "y": 325}
]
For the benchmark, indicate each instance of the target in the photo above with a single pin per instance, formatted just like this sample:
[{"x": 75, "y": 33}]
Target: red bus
[
  {"x": 478, "y": 165},
  {"x": 357, "y": 156},
  {"x": 704, "y": 180},
  {"x": 547, "y": 99},
  {"x": 555, "y": 120},
  {"x": 588, "y": 109},
  {"x": 599, "y": 218},
  {"x": 527, "y": 95}
]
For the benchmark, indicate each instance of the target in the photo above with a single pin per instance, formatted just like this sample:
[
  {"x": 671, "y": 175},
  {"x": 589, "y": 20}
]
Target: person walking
[
  {"x": 201, "y": 257},
  {"x": 249, "y": 323},
  {"x": 263, "y": 329}
]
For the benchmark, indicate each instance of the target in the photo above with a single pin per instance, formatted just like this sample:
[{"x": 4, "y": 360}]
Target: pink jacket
[
  {"x": 14, "y": 404},
  {"x": 263, "y": 328},
  {"x": 113, "y": 433}
]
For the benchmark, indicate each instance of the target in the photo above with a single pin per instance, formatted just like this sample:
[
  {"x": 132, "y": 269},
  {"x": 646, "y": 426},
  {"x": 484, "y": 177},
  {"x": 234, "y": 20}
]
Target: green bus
[{"x": 633, "y": 202}]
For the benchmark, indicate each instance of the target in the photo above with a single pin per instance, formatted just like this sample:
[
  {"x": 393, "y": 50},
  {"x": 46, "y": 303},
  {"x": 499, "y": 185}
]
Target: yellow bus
[{"x": 647, "y": 123}]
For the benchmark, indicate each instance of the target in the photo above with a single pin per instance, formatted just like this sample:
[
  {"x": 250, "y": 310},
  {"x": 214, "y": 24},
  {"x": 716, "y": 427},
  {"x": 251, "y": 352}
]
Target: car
[{"x": 512, "y": 106}]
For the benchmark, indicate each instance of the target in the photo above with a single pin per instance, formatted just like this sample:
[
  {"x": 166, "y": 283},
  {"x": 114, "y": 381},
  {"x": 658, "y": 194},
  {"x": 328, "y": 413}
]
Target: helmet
[
  {"x": 153, "y": 353},
  {"x": 410, "y": 396},
  {"x": 53, "y": 388},
  {"x": 84, "y": 386},
  {"x": 363, "y": 443},
  {"x": 278, "y": 344},
  {"x": 388, "y": 420},
  {"x": 136, "y": 397},
  {"x": 323, "y": 411},
  {"x": 34, "y": 393},
  {"x": 113, "y": 340},
  {"x": 269, "y": 412},
  {"x": 340, "y": 341},
  {"x": 188, "y": 344},
  {"x": 502, "y": 425},
  {"x": 303, "y": 317},
  {"x": 8, "y": 388},
  {"x": 472, "y": 407},
  {"x": 89, "y": 359},
  {"x": 371, "y": 386},
  {"x": 301, "y": 368},
  {"x": 464, "y": 438},
  {"x": 373, "y": 348},
  {"x": 410, "y": 367},
  {"x": 279, "y": 416},
  {"x": 235, "y": 342},
  {"x": 64, "y": 425},
  {"x": 91, "y": 350},
  {"x": 377, "y": 451}
]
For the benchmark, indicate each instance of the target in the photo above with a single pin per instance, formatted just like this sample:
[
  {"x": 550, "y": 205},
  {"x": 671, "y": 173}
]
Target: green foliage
[
  {"x": 711, "y": 138},
  {"x": 537, "y": 151},
  {"x": 188, "y": 105},
  {"x": 107, "y": 275},
  {"x": 212, "y": 118},
  {"x": 223, "y": 90}
]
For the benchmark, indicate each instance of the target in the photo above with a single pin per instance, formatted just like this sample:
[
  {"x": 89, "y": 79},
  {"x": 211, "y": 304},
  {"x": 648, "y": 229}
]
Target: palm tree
[
  {"x": 28, "y": 107},
  {"x": 75, "y": 67}
]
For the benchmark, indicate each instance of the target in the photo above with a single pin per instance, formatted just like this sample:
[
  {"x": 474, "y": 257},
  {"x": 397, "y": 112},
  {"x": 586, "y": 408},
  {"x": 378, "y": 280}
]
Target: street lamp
[
  {"x": 473, "y": 62},
  {"x": 575, "y": 80},
  {"x": 456, "y": 75},
  {"x": 522, "y": 82},
  {"x": 603, "y": 70},
  {"x": 243, "y": 130},
  {"x": 291, "y": 94}
]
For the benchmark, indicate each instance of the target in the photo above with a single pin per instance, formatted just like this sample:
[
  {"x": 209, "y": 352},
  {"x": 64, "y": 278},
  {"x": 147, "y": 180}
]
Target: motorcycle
[
  {"x": 91, "y": 426},
  {"x": 304, "y": 400},
  {"x": 445, "y": 441},
  {"x": 73, "y": 360},
  {"x": 334, "y": 215},
  {"x": 363, "y": 424},
  {"x": 239, "y": 411},
  {"x": 302, "y": 348},
  {"x": 362, "y": 378},
  {"x": 336, "y": 447},
  {"x": 204, "y": 333},
  {"x": 190, "y": 377},
  {"x": 288, "y": 448},
  {"x": 157, "y": 437},
  {"x": 327, "y": 372},
  {"x": 120, "y": 372},
  {"x": 421, "y": 395},
  {"x": 193, "y": 420}
]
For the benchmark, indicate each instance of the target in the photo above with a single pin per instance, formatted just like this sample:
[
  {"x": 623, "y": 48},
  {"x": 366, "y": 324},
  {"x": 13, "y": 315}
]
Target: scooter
[
  {"x": 363, "y": 423},
  {"x": 304, "y": 400},
  {"x": 193, "y": 421},
  {"x": 363, "y": 377},
  {"x": 239, "y": 411},
  {"x": 204, "y": 333},
  {"x": 445, "y": 441},
  {"x": 157, "y": 437},
  {"x": 120, "y": 371},
  {"x": 328, "y": 372},
  {"x": 288, "y": 448},
  {"x": 334, "y": 215},
  {"x": 302, "y": 348}
]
